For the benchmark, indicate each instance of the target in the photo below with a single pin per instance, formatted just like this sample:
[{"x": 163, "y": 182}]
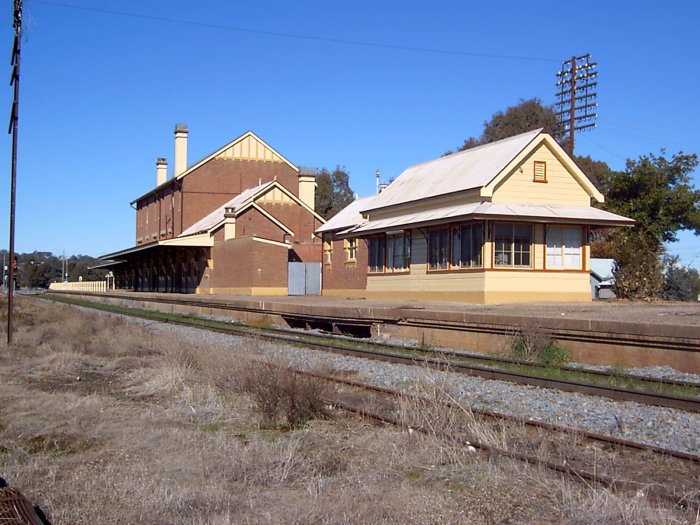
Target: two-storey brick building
[{"x": 228, "y": 223}]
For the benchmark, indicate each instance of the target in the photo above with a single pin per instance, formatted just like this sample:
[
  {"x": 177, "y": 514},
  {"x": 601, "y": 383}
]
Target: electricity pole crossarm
[{"x": 576, "y": 96}]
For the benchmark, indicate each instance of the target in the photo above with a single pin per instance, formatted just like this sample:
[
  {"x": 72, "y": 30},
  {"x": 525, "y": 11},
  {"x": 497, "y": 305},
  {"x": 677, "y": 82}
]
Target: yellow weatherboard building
[{"x": 502, "y": 222}]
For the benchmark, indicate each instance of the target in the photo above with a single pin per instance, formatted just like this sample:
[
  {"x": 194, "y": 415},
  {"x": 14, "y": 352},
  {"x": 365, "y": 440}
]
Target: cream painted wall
[
  {"x": 495, "y": 285},
  {"x": 560, "y": 189}
]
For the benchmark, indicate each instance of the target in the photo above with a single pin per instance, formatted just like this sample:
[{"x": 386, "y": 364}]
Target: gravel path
[{"x": 664, "y": 427}]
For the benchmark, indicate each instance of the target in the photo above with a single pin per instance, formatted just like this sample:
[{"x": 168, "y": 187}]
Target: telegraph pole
[
  {"x": 14, "y": 120},
  {"x": 576, "y": 85}
]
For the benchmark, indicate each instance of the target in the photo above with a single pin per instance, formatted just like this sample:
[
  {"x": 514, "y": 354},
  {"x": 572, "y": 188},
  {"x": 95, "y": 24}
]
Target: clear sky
[{"x": 363, "y": 84}]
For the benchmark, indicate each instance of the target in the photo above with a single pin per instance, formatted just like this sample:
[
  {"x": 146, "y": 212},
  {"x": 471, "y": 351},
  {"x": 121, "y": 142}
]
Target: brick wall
[
  {"x": 173, "y": 208},
  {"x": 245, "y": 263},
  {"x": 218, "y": 181},
  {"x": 343, "y": 275}
]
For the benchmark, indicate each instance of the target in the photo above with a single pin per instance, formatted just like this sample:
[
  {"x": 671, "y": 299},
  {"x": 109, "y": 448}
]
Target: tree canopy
[
  {"x": 658, "y": 193},
  {"x": 333, "y": 192},
  {"x": 524, "y": 116},
  {"x": 40, "y": 269}
]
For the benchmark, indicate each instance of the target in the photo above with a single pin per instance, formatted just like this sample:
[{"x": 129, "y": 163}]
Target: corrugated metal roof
[
  {"x": 239, "y": 201},
  {"x": 347, "y": 217},
  {"x": 470, "y": 169},
  {"x": 490, "y": 210}
]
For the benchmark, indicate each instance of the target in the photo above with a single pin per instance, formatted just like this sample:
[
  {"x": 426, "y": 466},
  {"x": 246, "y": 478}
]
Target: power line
[
  {"x": 645, "y": 129},
  {"x": 297, "y": 36}
]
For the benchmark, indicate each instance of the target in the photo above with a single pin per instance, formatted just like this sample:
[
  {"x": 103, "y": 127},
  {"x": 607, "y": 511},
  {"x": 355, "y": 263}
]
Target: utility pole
[
  {"x": 577, "y": 96},
  {"x": 14, "y": 121}
]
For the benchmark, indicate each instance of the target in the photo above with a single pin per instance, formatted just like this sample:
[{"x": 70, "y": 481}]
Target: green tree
[
  {"x": 333, "y": 192},
  {"x": 681, "y": 283},
  {"x": 597, "y": 171},
  {"x": 524, "y": 116},
  {"x": 658, "y": 193}
]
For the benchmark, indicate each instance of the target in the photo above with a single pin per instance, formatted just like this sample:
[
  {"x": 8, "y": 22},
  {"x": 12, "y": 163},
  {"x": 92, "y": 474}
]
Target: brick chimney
[
  {"x": 180, "y": 149},
  {"x": 307, "y": 186},
  {"x": 161, "y": 170}
]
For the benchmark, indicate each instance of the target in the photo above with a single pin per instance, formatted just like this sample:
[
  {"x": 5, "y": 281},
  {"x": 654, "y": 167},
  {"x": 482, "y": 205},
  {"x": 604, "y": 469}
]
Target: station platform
[{"x": 601, "y": 332}]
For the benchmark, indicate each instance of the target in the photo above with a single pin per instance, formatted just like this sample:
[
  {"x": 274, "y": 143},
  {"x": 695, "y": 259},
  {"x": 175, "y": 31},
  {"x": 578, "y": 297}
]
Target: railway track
[
  {"x": 620, "y": 465},
  {"x": 623, "y": 465},
  {"x": 469, "y": 364}
]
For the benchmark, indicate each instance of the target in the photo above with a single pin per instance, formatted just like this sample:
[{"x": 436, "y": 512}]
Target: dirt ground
[{"x": 109, "y": 421}]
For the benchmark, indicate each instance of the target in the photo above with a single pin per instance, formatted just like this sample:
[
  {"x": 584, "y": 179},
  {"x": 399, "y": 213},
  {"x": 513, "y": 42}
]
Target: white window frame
[{"x": 564, "y": 248}]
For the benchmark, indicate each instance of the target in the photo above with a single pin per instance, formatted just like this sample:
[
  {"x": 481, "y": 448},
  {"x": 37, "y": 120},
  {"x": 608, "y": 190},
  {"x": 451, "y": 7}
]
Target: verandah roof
[{"x": 489, "y": 210}]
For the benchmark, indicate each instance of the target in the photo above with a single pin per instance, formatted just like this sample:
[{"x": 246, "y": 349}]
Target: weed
[
  {"x": 282, "y": 396},
  {"x": 535, "y": 344}
]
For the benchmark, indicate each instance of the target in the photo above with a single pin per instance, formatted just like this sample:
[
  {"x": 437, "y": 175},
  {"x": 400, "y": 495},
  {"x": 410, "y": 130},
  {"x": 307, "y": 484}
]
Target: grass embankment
[{"x": 104, "y": 420}]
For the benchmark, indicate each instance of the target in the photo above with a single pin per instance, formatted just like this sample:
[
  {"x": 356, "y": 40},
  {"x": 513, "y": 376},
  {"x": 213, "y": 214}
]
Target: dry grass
[{"x": 106, "y": 421}]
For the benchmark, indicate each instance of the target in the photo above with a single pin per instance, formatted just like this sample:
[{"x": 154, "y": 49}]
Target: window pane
[
  {"x": 466, "y": 255},
  {"x": 376, "y": 254},
  {"x": 522, "y": 234},
  {"x": 444, "y": 247},
  {"x": 572, "y": 237},
  {"x": 503, "y": 241},
  {"x": 478, "y": 244},
  {"x": 554, "y": 247},
  {"x": 434, "y": 249},
  {"x": 456, "y": 250}
]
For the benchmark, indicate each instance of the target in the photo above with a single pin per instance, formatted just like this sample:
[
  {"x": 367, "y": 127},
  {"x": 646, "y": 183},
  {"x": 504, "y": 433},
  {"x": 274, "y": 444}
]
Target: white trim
[
  {"x": 271, "y": 218},
  {"x": 274, "y": 243},
  {"x": 198, "y": 239},
  {"x": 558, "y": 152}
]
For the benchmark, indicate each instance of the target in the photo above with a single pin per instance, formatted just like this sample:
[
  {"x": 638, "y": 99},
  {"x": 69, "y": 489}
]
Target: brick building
[{"x": 229, "y": 223}]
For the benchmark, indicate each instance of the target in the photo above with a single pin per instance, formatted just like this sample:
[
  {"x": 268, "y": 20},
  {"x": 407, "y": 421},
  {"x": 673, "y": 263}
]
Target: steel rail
[
  {"x": 298, "y": 338},
  {"x": 594, "y": 436},
  {"x": 654, "y": 490}
]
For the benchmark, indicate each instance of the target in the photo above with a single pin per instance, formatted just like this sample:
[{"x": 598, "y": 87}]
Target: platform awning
[
  {"x": 493, "y": 211},
  {"x": 194, "y": 241}
]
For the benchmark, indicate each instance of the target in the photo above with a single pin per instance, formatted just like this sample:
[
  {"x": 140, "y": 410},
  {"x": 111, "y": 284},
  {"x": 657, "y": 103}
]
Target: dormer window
[{"x": 540, "y": 171}]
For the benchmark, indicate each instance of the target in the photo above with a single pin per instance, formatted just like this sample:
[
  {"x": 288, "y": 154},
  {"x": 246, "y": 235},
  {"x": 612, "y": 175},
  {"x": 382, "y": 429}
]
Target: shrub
[{"x": 283, "y": 396}]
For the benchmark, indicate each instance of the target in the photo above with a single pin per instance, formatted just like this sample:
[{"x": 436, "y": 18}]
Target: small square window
[
  {"x": 350, "y": 246},
  {"x": 540, "y": 171}
]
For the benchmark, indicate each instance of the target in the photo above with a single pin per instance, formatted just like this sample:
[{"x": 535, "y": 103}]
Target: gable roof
[
  {"x": 247, "y": 146},
  {"x": 242, "y": 202},
  {"x": 348, "y": 217},
  {"x": 480, "y": 168},
  {"x": 469, "y": 169}
]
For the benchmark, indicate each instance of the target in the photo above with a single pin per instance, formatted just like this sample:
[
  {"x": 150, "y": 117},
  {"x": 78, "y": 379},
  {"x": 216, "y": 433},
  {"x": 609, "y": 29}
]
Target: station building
[
  {"x": 507, "y": 221},
  {"x": 229, "y": 223}
]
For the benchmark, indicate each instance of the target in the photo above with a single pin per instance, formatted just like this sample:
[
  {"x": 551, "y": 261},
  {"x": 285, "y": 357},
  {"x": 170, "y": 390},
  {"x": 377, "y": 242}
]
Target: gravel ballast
[{"x": 658, "y": 426}]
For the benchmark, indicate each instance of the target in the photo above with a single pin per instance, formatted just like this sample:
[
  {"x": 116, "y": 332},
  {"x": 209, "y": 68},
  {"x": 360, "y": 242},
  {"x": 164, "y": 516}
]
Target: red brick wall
[
  {"x": 202, "y": 191},
  {"x": 341, "y": 276},
  {"x": 243, "y": 263},
  {"x": 252, "y": 222},
  {"x": 218, "y": 181},
  {"x": 303, "y": 223}
]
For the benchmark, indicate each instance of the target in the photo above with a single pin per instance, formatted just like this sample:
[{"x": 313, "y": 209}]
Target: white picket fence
[{"x": 84, "y": 286}]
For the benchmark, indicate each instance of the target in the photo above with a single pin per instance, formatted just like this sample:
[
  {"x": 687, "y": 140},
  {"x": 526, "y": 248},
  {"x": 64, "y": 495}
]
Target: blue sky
[{"x": 101, "y": 92}]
